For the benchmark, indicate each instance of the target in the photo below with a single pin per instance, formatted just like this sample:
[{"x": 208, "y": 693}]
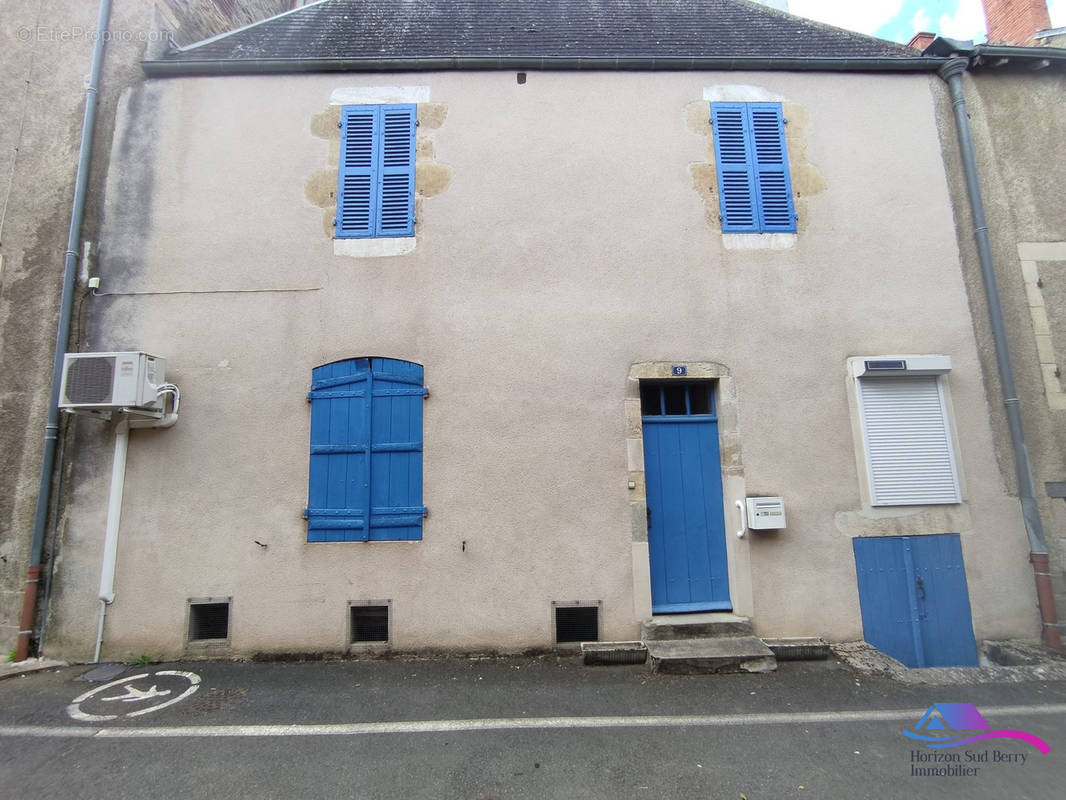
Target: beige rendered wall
[
  {"x": 569, "y": 243},
  {"x": 1018, "y": 121}
]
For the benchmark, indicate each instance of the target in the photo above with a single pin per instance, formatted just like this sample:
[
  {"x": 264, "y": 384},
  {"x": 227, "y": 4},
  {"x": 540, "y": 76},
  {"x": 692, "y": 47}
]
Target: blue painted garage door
[{"x": 915, "y": 604}]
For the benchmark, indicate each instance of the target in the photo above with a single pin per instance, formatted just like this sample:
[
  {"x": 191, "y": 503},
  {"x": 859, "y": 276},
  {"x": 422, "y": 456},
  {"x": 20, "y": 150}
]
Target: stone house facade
[{"x": 493, "y": 333}]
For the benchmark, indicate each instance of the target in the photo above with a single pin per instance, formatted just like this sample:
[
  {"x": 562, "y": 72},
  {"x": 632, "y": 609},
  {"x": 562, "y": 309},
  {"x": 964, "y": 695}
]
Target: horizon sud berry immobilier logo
[{"x": 950, "y": 725}]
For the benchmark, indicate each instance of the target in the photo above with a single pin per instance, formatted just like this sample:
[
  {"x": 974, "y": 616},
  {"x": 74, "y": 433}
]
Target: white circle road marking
[{"x": 133, "y": 695}]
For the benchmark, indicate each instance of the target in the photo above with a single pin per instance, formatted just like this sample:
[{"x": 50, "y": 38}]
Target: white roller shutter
[{"x": 909, "y": 452}]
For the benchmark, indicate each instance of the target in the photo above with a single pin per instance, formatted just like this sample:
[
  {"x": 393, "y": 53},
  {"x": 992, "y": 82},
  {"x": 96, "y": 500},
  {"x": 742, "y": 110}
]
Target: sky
[{"x": 899, "y": 20}]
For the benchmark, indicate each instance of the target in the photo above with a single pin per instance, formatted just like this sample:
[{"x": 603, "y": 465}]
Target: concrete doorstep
[
  {"x": 711, "y": 655},
  {"x": 687, "y": 644}
]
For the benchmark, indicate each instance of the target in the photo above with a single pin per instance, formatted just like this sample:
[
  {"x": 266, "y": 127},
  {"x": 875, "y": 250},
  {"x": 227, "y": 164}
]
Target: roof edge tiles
[{"x": 384, "y": 35}]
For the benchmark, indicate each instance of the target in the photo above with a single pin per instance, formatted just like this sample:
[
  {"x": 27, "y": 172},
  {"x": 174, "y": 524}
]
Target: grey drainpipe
[
  {"x": 951, "y": 72},
  {"x": 51, "y": 431}
]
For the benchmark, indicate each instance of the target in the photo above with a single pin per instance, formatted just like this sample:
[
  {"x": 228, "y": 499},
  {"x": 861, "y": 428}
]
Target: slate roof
[{"x": 352, "y": 30}]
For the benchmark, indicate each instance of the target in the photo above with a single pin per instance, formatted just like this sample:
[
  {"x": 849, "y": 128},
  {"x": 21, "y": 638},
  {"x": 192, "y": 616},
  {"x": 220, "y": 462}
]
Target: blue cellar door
[
  {"x": 914, "y": 600},
  {"x": 686, "y": 521}
]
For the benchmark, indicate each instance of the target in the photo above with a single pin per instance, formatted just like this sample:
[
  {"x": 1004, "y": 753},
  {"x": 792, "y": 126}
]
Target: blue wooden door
[
  {"x": 914, "y": 600},
  {"x": 686, "y": 523}
]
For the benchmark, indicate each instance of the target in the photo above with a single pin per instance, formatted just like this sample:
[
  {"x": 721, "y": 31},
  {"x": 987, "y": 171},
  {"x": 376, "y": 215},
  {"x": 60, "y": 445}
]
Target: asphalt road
[{"x": 509, "y": 728}]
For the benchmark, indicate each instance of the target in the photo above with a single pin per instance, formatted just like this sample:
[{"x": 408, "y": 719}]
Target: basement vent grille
[
  {"x": 89, "y": 380},
  {"x": 208, "y": 621},
  {"x": 370, "y": 624},
  {"x": 577, "y": 623}
]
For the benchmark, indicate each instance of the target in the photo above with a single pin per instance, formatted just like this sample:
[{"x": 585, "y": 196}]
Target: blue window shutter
[
  {"x": 365, "y": 475},
  {"x": 396, "y": 216},
  {"x": 357, "y": 175},
  {"x": 754, "y": 188},
  {"x": 338, "y": 479},
  {"x": 733, "y": 162},
  {"x": 376, "y": 178},
  {"x": 396, "y": 466},
  {"x": 772, "y": 182}
]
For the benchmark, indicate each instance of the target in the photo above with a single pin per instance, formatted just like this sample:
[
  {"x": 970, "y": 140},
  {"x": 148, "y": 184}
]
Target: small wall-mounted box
[{"x": 766, "y": 513}]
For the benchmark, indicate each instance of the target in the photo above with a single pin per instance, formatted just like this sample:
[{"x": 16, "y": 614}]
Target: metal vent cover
[
  {"x": 577, "y": 623},
  {"x": 90, "y": 380},
  {"x": 369, "y": 624},
  {"x": 208, "y": 621},
  {"x": 883, "y": 364}
]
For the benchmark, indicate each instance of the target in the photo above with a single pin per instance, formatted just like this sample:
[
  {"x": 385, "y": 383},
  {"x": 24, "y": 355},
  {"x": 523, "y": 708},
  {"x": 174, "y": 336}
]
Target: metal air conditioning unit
[{"x": 104, "y": 382}]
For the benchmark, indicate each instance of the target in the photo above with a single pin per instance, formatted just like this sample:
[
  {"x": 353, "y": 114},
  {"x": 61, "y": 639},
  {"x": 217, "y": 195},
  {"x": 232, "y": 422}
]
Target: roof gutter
[
  {"x": 951, "y": 72},
  {"x": 1016, "y": 51},
  {"x": 253, "y": 66}
]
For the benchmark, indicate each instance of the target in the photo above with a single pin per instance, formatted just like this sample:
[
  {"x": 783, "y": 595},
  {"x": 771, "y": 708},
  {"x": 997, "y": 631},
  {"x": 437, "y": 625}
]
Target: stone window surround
[
  {"x": 1029, "y": 254},
  {"x": 377, "y": 247}
]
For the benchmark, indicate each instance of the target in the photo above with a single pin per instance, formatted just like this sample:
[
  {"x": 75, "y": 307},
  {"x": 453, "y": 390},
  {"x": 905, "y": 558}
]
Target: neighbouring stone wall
[{"x": 1019, "y": 123}]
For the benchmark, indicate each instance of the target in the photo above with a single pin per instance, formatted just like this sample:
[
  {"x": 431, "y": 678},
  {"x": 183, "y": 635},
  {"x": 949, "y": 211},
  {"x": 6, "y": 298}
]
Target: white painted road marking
[
  {"x": 133, "y": 695},
  {"x": 506, "y": 723}
]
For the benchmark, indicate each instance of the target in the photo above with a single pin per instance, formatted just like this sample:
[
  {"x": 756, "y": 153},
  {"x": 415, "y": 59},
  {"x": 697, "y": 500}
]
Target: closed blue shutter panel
[
  {"x": 365, "y": 477},
  {"x": 396, "y": 465},
  {"x": 733, "y": 157},
  {"x": 357, "y": 176},
  {"x": 338, "y": 477},
  {"x": 754, "y": 188},
  {"x": 772, "y": 182},
  {"x": 396, "y": 217},
  {"x": 376, "y": 179}
]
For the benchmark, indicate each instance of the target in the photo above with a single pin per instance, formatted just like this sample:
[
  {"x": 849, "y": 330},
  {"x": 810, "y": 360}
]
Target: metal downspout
[
  {"x": 51, "y": 431},
  {"x": 951, "y": 72}
]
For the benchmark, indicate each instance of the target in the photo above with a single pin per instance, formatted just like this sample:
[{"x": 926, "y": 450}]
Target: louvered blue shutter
[
  {"x": 396, "y": 216},
  {"x": 365, "y": 476},
  {"x": 338, "y": 481},
  {"x": 773, "y": 186},
  {"x": 376, "y": 179},
  {"x": 357, "y": 176},
  {"x": 733, "y": 157},
  {"x": 754, "y": 187}
]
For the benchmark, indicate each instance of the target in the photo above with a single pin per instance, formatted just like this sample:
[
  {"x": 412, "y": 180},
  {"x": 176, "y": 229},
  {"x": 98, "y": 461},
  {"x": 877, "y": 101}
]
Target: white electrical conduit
[{"x": 114, "y": 516}]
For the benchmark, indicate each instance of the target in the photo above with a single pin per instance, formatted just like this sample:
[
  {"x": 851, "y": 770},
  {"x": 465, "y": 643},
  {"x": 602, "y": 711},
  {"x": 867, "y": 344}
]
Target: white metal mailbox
[{"x": 766, "y": 513}]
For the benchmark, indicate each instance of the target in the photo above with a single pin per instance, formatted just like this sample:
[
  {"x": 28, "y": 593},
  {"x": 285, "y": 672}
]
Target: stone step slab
[
  {"x": 710, "y": 655},
  {"x": 692, "y": 626}
]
